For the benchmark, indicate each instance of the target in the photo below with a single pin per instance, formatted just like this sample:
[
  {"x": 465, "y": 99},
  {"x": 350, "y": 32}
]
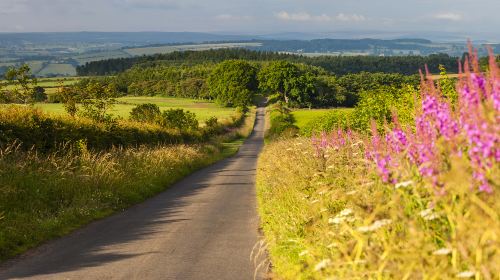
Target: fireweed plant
[{"x": 405, "y": 202}]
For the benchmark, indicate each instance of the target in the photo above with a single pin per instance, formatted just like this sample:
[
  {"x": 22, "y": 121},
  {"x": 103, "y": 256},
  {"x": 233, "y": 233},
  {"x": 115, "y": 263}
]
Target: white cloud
[
  {"x": 283, "y": 15},
  {"x": 302, "y": 16},
  {"x": 449, "y": 16},
  {"x": 351, "y": 18},
  {"x": 149, "y": 4},
  {"x": 229, "y": 17}
]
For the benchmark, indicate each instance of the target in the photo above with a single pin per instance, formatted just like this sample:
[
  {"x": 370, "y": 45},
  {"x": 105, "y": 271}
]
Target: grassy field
[
  {"x": 304, "y": 117},
  {"x": 195, "y": 47},
  {"x": 95, "y": 56},
  {"x": 56, "y": 69},
  {"x": 49, "y": 84},
  {"x": 202, "y": 109}
]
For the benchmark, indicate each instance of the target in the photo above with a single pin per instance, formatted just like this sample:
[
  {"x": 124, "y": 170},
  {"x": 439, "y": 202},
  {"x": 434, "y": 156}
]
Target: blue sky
[{"x": 256, "y": 16}]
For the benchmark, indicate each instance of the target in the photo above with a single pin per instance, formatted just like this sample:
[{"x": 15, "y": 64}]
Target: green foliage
[
  {"x": 447, "y": 85},
  {"x": 233, "y": 83},
  {"x": 70, "y": 100},
  {"x": 281, "y": 122},
  {"x": 178, "y": 119},
  {"x": 97, "y": 98},
  {"x": 32, "y": 128},
  {"x": 338, "y": 65},
  {"x": 39, "y": 94},
  {"x": 286, "y": 82},
  {"x": 380, "y": 104},
  {"x": 147, "y": 112},
  {"x": 335, "y": 119},
  {"x": 23, "y": 90}
]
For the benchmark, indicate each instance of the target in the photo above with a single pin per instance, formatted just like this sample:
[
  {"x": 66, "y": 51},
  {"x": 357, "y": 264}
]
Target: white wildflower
[
  {"x": 376, "y": 225},
  {"x": 442, "y": 252},
  {"x": 330, "y": 167},
  {"x": 351, "y": 192},
  {"x": 303, "y": 253},
  {"x": 341, "y": 217},
  {"x": 336, "y": 220},
  {"x": 332, "y": 245},
  {"x": 429, "y": 214},
  {"x": 346, "y": 212},
  {"x": 466, "y": 274},
  {"x": 322, "y": 264},
  {"x": 404, "y": 184}
]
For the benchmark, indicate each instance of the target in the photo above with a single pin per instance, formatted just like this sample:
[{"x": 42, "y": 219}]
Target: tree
[
  {"x": 286, "y": 82},
  {"x": 147, "y": 112},
  {"x": 39, "y": 94},
  {"x": 97, "y": 99},
  {"x": 233, "y": 83},
  {"x": 24, "y": 83},
  {"x": 178, "y": 119},
  {"x": 70, "y": 100}
]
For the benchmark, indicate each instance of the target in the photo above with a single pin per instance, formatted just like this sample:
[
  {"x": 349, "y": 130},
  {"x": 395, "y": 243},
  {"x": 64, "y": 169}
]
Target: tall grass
[
  {"x": 46, "y": 195},
  {"x": 334, "y": 217},
  {"x": 420, "y": 202}
]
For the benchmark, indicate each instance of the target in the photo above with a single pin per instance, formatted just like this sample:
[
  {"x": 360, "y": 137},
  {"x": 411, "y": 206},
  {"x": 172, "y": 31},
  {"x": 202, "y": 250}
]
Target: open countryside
[{"x": 368, "y": 152}]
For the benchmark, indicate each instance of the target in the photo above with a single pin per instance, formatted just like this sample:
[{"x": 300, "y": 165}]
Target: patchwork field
[{"x": 196, "y": 47}]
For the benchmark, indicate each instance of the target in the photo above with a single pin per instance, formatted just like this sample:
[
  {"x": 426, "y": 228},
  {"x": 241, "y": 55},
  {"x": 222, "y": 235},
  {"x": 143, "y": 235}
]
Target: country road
[{"x": 203, "y": 227}]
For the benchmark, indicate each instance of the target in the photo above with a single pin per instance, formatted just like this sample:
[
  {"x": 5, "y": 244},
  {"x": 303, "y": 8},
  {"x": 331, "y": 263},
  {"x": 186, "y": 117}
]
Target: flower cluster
[{"x": 468, "y": 128}]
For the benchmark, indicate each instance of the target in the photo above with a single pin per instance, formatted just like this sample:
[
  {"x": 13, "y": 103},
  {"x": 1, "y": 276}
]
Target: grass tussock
[{"x": 332, "y": 217}]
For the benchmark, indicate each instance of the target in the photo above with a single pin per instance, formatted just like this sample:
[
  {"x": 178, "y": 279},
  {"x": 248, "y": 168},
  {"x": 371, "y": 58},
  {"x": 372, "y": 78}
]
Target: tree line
[
  {"x": 338, "y": 65},
  {"x": 234, "y": 82}
]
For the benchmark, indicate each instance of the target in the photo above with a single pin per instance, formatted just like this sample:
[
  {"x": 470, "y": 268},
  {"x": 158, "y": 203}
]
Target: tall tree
[
  {"x": 233, "y": 83},
  {"x": 285, "y": 81}
]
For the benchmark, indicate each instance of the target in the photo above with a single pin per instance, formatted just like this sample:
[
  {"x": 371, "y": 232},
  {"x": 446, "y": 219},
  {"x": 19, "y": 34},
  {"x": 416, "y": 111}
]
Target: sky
[{"x": 251, "y": 16}]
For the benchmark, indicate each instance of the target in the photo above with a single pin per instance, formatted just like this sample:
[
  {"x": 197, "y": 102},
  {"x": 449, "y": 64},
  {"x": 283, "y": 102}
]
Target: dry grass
[{"x": 332, "y": 218}]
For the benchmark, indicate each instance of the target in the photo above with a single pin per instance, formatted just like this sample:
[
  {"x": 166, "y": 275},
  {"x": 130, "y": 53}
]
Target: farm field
[
  {"x": 50, "y": 84},
  {"x": 57, "y": 69},
  {"x": 196, "y": 47},
  {"x": 203, "y": 109},
  {"x": 305, "y": 116}
]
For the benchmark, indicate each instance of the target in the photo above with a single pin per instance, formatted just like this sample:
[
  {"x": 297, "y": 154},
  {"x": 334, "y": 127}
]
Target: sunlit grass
[
  {"x": 332, "y": 216},
  {"x": 304, "y": 117},
  {"x": 203, "y": 109}
]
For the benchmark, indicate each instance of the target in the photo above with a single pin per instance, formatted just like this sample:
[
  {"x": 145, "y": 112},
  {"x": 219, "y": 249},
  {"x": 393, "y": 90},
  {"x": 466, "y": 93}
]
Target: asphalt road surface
[{"x": 203, "y": 227}]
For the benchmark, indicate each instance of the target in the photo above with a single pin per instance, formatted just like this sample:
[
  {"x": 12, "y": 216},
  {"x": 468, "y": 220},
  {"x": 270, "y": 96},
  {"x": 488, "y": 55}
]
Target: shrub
[
  {"x": 39, "y": 94},
  {"x": 338, "y": 118},
  {"x": 145, "y": 113},
  {"x": 178, "y": 119},
  {"x": 281, "y": 122}
]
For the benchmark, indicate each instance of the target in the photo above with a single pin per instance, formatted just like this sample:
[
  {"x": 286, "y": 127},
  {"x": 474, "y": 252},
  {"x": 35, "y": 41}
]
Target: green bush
[
  {"x": 178, "y": 119},
  {"x": 35, "y": 129},
  {"x": 335, "y": 119},
  {"x": 281, "y": 122},
  {"x": 148, "y": 112},
  {"x": 382, "y": 103}
]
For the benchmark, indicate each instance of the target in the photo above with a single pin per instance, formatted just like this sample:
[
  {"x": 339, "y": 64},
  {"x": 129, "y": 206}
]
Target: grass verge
[{"x": 331, "y": 217}]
